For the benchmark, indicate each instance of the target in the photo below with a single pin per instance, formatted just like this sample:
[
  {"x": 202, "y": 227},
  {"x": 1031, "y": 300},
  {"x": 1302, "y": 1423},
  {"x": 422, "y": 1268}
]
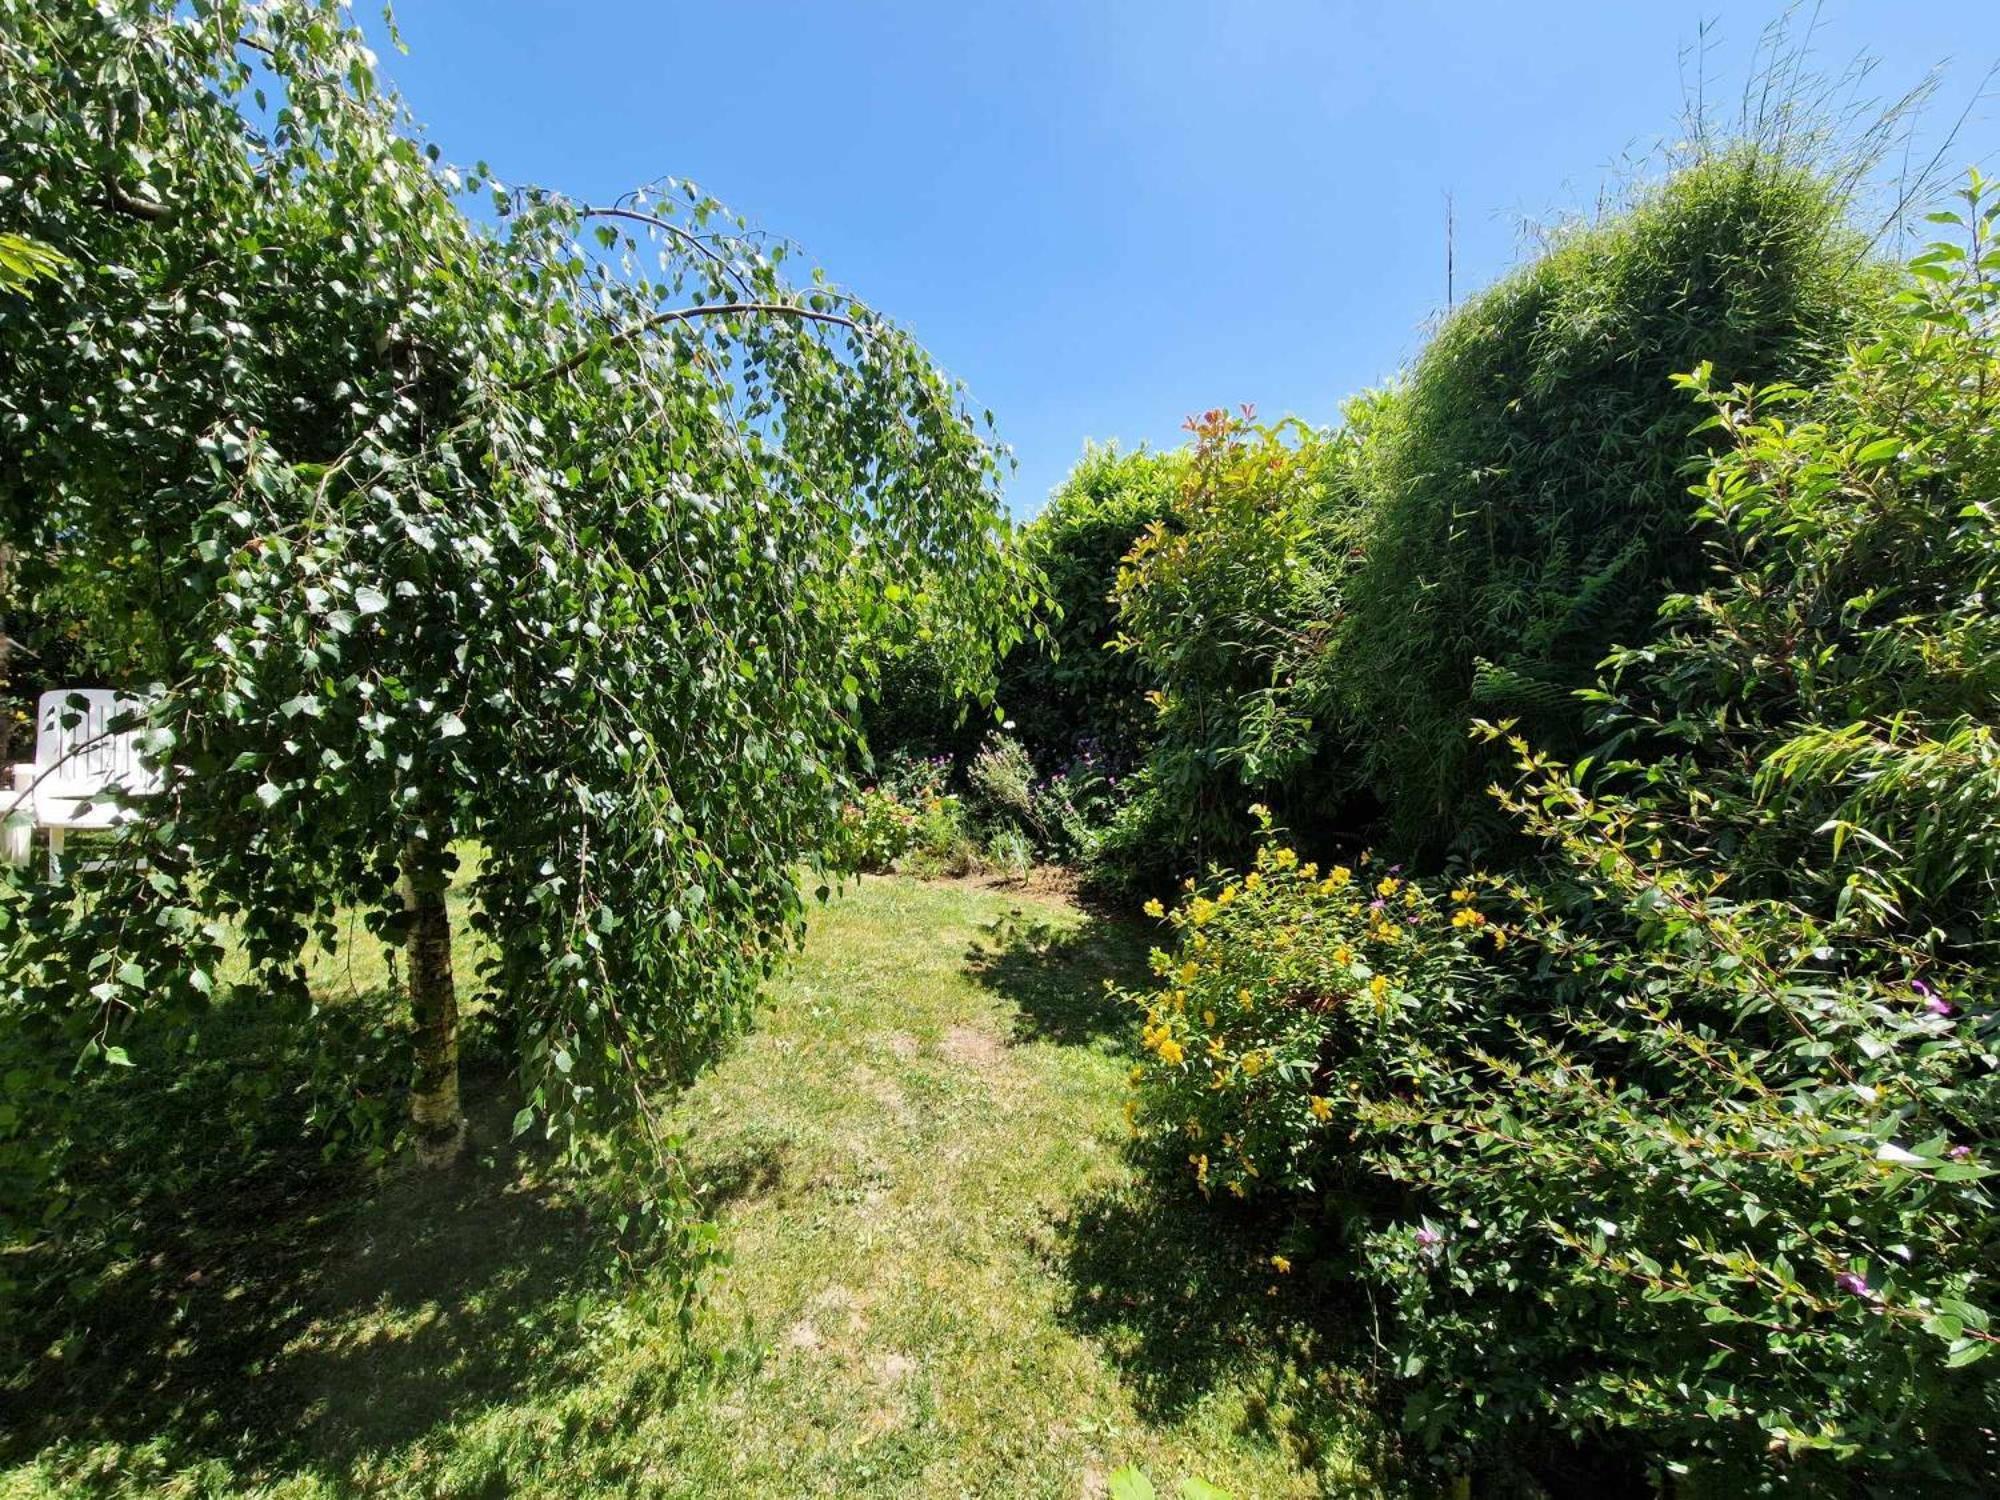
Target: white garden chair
[{"x": 80, "y": 770}]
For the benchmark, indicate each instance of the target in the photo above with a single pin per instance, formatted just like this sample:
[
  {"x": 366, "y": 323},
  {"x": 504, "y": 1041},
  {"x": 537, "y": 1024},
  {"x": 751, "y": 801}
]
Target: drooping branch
[
  {"x": 678, "y": 233},
  {"x": 683, "y": 315}
]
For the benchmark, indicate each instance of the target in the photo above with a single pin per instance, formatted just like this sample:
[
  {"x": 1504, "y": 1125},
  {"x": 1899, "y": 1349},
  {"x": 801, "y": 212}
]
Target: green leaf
[{"x": 1128, "y": 1483}]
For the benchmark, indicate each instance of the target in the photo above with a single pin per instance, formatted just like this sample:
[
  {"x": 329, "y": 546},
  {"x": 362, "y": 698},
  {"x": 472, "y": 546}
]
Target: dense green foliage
[
  {"x": 563, "y": 530},
  {"x": 448, "y": 528},
  {"x": 1699, "y": 1164},
  {"x": 1072, "y": 694},
  {"x": 1224, "y": 603},
  {"x": 1528, "y": 507}
]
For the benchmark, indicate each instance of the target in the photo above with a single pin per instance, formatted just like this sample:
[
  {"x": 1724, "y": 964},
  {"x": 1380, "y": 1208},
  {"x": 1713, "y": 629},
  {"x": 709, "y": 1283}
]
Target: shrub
[
  {"x": 907, "y": 813},
  {"x": 1527, "y": 505},
  {"x": 1703, "y": 1170},
  {"x": 1291, "y": 994},
  {"x": 1070, "y": 692},
  {"x": 1000, "y": 785},
  {"x": 1074, "y": 807},
  {"x": 1726, "y": 1201},
  {"x": 1835, "y": 691},
  {"x": 1220, "y": 603}
]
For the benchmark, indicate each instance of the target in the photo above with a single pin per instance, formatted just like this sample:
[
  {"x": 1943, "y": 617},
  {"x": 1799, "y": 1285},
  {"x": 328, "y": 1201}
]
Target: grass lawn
[{"x": 942, "y": 1281}]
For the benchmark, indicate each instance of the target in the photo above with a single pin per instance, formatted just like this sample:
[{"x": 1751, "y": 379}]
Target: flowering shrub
[
  {"x": 1074, "y": 807},
  {"x": 1291, "y": 995},
  {"x": 1729, "y": 1195},
  {"x": 1001, "y": 781},
  {"x": 881, "y": 825},
  {"x": 1701, "y": 1189}
]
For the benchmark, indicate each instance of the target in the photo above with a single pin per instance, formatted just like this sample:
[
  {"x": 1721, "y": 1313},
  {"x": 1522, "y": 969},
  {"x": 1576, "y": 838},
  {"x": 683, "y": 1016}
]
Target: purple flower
[
  {"x": 1376, "y": 905},
  {"x": 1852, "y": 1281},
  {"x": 1959, "y": 1153},
  {"x": 1429, "y": 1237},
  {"x": 1935, "y": 1003}
]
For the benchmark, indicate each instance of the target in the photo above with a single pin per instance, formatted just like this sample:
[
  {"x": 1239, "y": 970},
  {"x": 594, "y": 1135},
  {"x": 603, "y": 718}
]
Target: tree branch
[
  {"x": 684, "y": 236},
  {"x": 683, "y": 315}
]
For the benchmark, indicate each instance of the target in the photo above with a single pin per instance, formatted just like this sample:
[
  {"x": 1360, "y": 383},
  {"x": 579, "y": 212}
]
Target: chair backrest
[{"x": 77, "y": 759}]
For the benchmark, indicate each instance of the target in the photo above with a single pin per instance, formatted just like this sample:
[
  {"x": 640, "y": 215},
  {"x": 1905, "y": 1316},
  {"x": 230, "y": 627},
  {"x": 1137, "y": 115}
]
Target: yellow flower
[
  {"x": 1253, "y": 1064},
  {"x": 1343, "y": 954},
  {"x": 1253, "y": 881},
  {"x": 1282, "y": 1266},
  {"x": 1154, "y": 909},
  {"x": 1171, "y": 1053},
  {"x": 1321, "y": 1109},
  {"x": 1461, "y": 895},
  {"x": 1499, "y": 938},
  {"x": 1339, "y": 875},
  {"x": 1208, "y": 1018},
  {"x": 1200, "y": 1164},
  {"x": 1309, "y": 871},
  {"x": 1190, "y": 972},
  {"x": 1465, "y": 916},
  {"x": 1284, "y": 859},
  {"x": 1379, "y": 988},
  {"x": 1388, "y": 885},
  {"x": 1226, "y": 895},
  {"x": 1136, "y": 1075}
]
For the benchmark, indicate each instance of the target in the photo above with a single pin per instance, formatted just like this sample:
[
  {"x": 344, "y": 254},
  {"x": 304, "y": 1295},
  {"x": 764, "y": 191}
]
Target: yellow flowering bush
[{"x": 1289, "y": 994}]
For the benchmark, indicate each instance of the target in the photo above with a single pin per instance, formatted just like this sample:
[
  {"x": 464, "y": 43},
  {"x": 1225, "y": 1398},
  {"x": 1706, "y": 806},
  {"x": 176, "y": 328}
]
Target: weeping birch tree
[{"x": 437, "y": 514}]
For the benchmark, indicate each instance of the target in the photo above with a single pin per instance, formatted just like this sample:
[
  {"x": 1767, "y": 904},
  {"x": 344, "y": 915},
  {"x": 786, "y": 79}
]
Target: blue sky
[{"x": 1105, "y": 214}]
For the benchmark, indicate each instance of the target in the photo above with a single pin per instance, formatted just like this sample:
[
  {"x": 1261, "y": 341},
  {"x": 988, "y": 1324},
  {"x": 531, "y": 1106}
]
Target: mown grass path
[{"x": 943, "y": 1279}]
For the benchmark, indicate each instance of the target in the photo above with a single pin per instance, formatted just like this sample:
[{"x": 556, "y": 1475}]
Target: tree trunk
[{"x": 435, "y": 1117}]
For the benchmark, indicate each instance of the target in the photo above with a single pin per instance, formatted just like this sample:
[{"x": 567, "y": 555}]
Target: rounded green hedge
[{"x": 1530, "y": 504}]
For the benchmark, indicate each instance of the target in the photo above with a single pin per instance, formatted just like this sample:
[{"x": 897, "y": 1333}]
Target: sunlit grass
[{"x": 942, "y": 1280}]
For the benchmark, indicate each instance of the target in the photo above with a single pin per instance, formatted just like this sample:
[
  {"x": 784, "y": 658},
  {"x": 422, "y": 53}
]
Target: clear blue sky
[{"x": 1105, "y": 214}]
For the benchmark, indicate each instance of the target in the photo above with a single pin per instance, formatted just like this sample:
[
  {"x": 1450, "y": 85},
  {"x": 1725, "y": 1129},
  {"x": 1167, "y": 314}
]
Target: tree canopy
[{"x": 433, "y": 512}]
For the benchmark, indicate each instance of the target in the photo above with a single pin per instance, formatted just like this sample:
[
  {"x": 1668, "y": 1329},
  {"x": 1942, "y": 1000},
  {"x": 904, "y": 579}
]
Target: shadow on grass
[
  {"x": 1056, "y": 976},
  {"x": 278, "y": 1315},
  {"x": 1182, "y": 1295},
  {"x": 307, "y": 1320}
]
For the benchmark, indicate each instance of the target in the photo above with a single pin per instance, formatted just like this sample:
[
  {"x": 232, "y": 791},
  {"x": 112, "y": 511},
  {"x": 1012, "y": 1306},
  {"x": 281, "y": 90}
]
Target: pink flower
[
  {"x": 1935, "y": 1003},
  {"x": 1959, "y": 1153},
  {"x": 1429, "y": 1237},
  {"x": 1852, "y": 1281}
]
